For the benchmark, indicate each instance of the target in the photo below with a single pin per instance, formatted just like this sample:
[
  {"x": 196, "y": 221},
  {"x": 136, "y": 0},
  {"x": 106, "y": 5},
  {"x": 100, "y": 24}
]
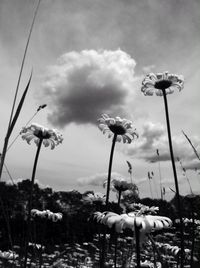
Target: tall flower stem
[
  {"x": 175, "y": 178},
  {"x": 137, "y": 245},
  {"x": 110, "y": 169},
  {"x": 31, "y": 201},
  {"x": 102, "y": 259}
]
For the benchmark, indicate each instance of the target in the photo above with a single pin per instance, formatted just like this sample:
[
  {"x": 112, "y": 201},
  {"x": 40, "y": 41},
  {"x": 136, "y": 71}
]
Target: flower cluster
[
  {"x": 46, "y": 214},
  {"x": 8, "y": 255},
  {"x": 169, "y": 249},
  {"x": 140, "y": 209},
  {"x": 145, "y": 223},
  {"x": 36, "y": 132},
  {"x": 188, "y": 221},
  {"x": 123, "y": 128},
  {"x": 161, "y": 82},
  {"x": 34, "y": 245},
  {"x": 95, "y": 197}
]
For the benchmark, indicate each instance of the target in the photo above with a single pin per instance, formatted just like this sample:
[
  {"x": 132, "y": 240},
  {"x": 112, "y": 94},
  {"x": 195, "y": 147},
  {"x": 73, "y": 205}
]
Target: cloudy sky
[{"x": 89, "y": 57}]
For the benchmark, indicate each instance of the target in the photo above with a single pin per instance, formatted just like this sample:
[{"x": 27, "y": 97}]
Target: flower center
[
  {"x": 119, "y": 130},
  {"x": 42, "y": 134},
  {"x": 163, "y": 84}
]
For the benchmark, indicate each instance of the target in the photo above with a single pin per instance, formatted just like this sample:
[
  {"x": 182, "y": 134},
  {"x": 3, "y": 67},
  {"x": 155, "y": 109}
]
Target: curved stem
[
  {"x": 110, "y": 169},
  {"x": 175, "y": 178},
  {"x": 31, "y": 200}
]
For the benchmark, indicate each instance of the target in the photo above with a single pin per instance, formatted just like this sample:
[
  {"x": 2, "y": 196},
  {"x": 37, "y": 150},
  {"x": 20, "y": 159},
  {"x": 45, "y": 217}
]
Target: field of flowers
[
  {"x": 43, "y": 228},
  {"x": 76, "y": 233}
]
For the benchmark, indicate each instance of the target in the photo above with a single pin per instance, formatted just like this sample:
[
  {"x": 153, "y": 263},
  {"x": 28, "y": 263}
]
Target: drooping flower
[
  {"x": 145, "y": 223},
  {"x": 161, "y": 81},
  {"x": 123, "y": 128},
  {"x": 36, "y": 132}
]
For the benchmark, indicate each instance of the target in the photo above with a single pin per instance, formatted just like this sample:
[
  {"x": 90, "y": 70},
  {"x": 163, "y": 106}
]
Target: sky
[{"x": 89, "y": 57}]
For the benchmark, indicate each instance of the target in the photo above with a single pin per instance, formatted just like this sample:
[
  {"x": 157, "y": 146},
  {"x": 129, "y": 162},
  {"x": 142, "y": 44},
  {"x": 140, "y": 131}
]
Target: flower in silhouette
[
  {"x": 161, "y": 81},
  {"x": 119, "y": 185},
  {"x": 36, "y": 132},
  {"x": 123, "y": 128}
]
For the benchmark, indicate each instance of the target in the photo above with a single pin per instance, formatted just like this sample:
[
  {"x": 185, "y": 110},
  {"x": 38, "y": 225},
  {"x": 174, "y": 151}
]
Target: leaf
[{"x": 19, "y": 107}]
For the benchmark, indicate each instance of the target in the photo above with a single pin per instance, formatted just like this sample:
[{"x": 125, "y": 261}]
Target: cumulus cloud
[
  {"x": 83, "y": 85},
  {"x": 154, "y": 137},
  {"x": 97, "y": 179}
]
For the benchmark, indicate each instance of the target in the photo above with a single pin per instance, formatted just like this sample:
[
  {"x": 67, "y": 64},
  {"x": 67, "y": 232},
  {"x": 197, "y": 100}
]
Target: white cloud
[
  {"x": 154, "y": 137},
  {"x": 83, "y": 85},
  {"x": 97, "y": 179},
  {"x": 148, "y": 68}
]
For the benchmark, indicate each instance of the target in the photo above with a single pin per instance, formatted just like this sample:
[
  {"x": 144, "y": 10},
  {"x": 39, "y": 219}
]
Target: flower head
[
  {"x": 95, "y": 197},
  {"x": 119, "y": 185},
  {"x": 123, "y": 128},
  {"x": 47, "y": 214},
  {"x": 140, "y": 209},
  {"x": 37, "y": 132},
  {"x": 8, "y": 255},
  {"x": 145, "y": 223},
  {"x": 161, "y": 81}
]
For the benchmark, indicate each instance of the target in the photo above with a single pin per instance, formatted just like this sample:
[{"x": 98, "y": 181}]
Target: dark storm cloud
[{"x": 82, "y": 86}]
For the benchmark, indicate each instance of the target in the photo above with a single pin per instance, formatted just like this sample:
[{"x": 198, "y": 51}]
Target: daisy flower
[
  {"x": 123, "y": 128},
  {"x": 36, "y": 132},
  {"x": 161, "y": 81}
]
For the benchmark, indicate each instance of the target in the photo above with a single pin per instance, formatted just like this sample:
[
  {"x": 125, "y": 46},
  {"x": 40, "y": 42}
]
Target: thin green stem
[
  {"x": 175, "y": 178},
  {"x": 31, "y": 201}
]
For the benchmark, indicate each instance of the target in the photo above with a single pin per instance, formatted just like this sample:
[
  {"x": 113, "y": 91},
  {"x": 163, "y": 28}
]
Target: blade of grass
[
  {"x": 19, "y": 107},
  {"x": 22, "y": 65},
  {"x": 12, "y": 126},
  {"x": 194, "y": 149}
]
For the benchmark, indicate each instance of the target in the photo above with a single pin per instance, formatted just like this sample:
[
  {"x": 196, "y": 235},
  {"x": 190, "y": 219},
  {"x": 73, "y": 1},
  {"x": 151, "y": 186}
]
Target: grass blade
[{"x": 195, "y": 151}]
